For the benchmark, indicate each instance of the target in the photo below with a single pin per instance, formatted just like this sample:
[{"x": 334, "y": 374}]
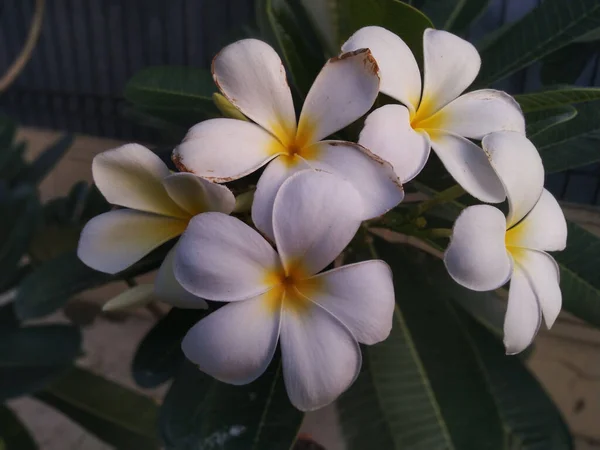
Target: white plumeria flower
[
  {"x": 250, "y": 74},
  {"x": 435, "y": 115},
  {"x": 487, "y": 249},
  {"x": 279, "y": 295},
  {"x": 159, "y": 205}
]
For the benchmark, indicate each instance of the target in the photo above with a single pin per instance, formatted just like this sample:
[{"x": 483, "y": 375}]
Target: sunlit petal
[{"x": 196, "y": 195}]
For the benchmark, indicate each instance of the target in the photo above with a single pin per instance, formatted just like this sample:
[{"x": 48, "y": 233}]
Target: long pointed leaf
[{"x": 553, "y": 98}]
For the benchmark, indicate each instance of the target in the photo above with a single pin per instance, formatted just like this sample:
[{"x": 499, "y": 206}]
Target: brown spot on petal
[
  {"x": 369, "y": 61},
  {"x": 179, "y": 164}
]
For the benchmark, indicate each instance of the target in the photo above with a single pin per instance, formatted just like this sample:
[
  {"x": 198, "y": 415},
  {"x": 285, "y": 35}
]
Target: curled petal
[
  {"x": 469, "y": 166},
  {"x": 476, "y": 256},
  {"x": 519, "y": 167},
  {"x": 544, "y": 228},
  {"x": 221, "y": 258},
  {"x": 388, "y": 134},
  {"x": 321, "y": 358},
  {"x": 373, "y": 177},
  {"x": 197, "y": 195},
  {"x": 223, "y": 150},
  {"x": 134, "y": 297},
  {"x": 315, "y": 216},
  {"x": 236, "y": 343},
  {"x": 167, "y": 289},
  {"x": 450, "y": 66},
  {"x": 399, "y": 72},
  {"x": 360, "y": 295},
  {"x": 276, "y": 172},
  {"x": 344, "y": 91},
  {"x": 115, "y": 240},
  {"x": 252, "y": 77},
  {"x": 131, "y": 176}
]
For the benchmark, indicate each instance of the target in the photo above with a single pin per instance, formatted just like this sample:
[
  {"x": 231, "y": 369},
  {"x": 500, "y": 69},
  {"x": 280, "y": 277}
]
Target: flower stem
[{"x": 445, "y": 196}]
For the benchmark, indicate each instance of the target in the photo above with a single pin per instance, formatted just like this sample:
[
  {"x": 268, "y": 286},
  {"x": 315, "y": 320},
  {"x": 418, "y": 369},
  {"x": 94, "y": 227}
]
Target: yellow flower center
[
  {"x": 291, "y": 289},
  {"x": 294, "y": 147},
  {"x": 425, "y": 118},
  {"x": 512, "y": 240}
]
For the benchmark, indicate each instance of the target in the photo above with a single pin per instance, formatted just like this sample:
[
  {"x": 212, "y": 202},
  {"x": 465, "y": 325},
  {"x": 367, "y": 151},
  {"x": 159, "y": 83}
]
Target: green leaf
[
  {"x": 201, "y": 412},
  {"x": 539, "y": 121},
  {"x": 113, "y": 413},
  {"x": 566, "y": 65},
  {"x": 52, "y": 283},
  {"x": 44, "y": 163},
  {"x": 298, "y": 41},
  {"x": 443, "y": 13},
  {"x": 12, "y": 162},
  {"x": 159, "y": 355},
  {"x": 13, "y": 434},
  {"x": 547, "y": 28},
  {"x": 574, "y": 143},
  {"x": 8, "y": 131},
  {"x": 470, "y": 12},
  {"x": 402, "y": 19},
  {"x": 17, "y": 381},
  {"x": 182, "y": 95},
  {"x": 538, "y": 101},
  {"x": 424, "y": 387}
]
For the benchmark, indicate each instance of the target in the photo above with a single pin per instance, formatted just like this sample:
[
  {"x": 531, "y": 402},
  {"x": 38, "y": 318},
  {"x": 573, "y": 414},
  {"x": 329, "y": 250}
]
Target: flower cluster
[{"x": 311, "y": 198}]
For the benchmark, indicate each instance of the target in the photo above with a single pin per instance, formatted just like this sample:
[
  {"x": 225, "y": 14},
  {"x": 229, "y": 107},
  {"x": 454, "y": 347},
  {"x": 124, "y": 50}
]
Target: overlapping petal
[
  {"x": 131, "y": 176},
  {"x": 520, "y": 169},
  {"x": 399, "y": 72},
  {"x": 223, "y": 150},
  {"x": 450, "y": 66},
  {"x": 115, "y": 240},
  {"x": 236, "y": 343},
  {"x": 252, "y": 77},
  {"x": 168, "y": 289},
  {"x": 344, "y": 91},
  {"x": 360, "y": 295},
  {"x": 197, "y": 195},
  {"x": 388, "y": 134},
  {"x": 544, "y": 228},
  {"x": 221, "y": 258},
  {"x": 469, "y": 166},
  {"x": 375, "y": 179},
  {"x": 278, "y": 170},
  {"x": 321, "y": 358},
  {"x": 134, "y": 297},
  {"x": 476, "y": 256},
  {"x": 315, "y": 215}
]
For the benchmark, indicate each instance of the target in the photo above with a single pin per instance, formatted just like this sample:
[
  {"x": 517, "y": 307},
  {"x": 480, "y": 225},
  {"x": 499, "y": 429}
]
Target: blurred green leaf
[
  {"x": 45, "y": 162},
  {"x": 551, "y": 25},
  {"x": 12, "y": 163},
  {"x": 159, "y": 355},
  {"x": 539, "y": 121},
  {"x": 443, "y": 13},
  {"x": 298, "y": 41},
  {"x": 422, "y": 387},
  {"x": 117, "y": 415},
  {"x": 13, "y": 433},
  {"x": 8, "y": 130},
  {"x": 574, "y": 143},
  {"x": 470, "y": 12},
  {"x": 17, "y": 381},
  {"x": 201, "y": 412},
  {"x": 538, "y": 101},
  {"x": 564, "y": 66},
  {"x": 402, "y": 19}
]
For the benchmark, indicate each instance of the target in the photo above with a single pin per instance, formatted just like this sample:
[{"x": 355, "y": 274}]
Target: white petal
[
  {"x": 360, "y": 295},
  {"x": 221, "y": 258},
  {"x": 519, "y": 167},
  {"x": 344, "y": 91},
  {"x": 321, "y": 358},
  {"x": 450, "y": 66},
  {"x": 168, "y": 289},
  {"x": 223, "y": 150},
  {"x": 278, "y": 170},
  {"x": 399, "y": 72},
  {"x": 469, "y": 166},
  {"x": 388, "y": 134},
  {"x": 523, "y": 316},
  {"x": 543, "y": 274},
  {"x": 476, "y": 256},
  {"x": 197, "y": 195},
  {"x": 544, "y": 228},
  {"x": 478, "y": 113},
  {"x": 131, "y": 298},
  {"x": 236, "y": 343},
  {"x": 374, "y": 178},
  {"x": 115, "y": 240},
  {"x": 131, "y": 176},
  {"x": 315, "y": 215},
  {"x": 252, "y": 77}
]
